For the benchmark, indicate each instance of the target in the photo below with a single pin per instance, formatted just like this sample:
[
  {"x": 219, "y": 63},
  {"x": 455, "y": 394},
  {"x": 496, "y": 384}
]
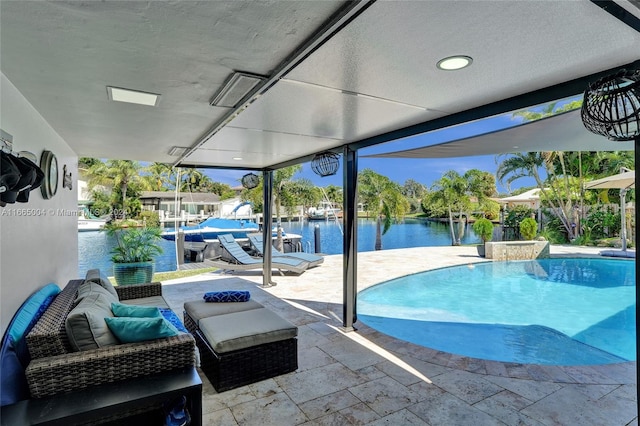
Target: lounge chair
[
  {"x": 257, "y": 242},
  {"x": 241, "y": 261}
]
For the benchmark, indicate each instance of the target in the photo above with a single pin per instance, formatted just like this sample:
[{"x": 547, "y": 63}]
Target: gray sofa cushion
[
  {"x": 198, "y": 309},
  {"x": 94, "y": 275},
  {"x": 87, "y": 288},
  {"x": 85, "y": 324},
  {"x": 245, "y": 329}
]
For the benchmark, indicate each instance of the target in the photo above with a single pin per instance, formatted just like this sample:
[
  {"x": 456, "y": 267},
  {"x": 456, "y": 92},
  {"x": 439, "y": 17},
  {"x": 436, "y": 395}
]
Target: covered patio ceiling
[{"x": 335, "y": 72}]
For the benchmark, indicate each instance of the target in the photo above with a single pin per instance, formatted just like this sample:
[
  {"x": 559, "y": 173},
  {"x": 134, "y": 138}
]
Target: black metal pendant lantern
[
  {"x": 611, "y": 106},
  {"x": 250, "y": 180},
  {"x": 325, "y": 164}
]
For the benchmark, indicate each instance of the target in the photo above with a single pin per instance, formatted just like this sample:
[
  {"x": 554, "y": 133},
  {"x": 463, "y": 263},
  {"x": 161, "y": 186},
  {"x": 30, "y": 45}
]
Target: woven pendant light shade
[
  {"x": 325, "y": 164},
  {"x": 250, "y": 180},
  {"x": 611, "y": 106}
]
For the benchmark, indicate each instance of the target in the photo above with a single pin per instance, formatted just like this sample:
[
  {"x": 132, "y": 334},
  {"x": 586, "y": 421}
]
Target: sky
[{"x": 423, "y": 170}]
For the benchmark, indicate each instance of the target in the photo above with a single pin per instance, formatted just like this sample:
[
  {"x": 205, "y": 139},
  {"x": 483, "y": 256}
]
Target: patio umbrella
[{"x": 622, "y": 181}]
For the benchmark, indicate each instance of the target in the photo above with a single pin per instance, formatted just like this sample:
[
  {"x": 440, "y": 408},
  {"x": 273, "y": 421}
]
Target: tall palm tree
[
  {"x": 116, "y": 173},
  {"x": 559, "y": 188},
  {"x": 528, "y": 164},
  {"x": 303, "y": 193},
  {"x": 455, "y": 192},
  {"x": 449, "y": 191},
  {"x": 334, "y": 193},
  {"x": 159, "y": 177},
  {"x": 383, "y": 200},
  {"x": 194, "y": 180},
  {"x": 281, "y": 193}
]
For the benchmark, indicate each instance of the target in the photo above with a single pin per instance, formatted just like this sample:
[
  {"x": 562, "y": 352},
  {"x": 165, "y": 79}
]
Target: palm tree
[
  {"x": 558, "y": 197},
  {"x": 559, "y": 187},
  {"x": 303, "y": 193},
  {"x": 194, "y": 180},
  {"x": 383, "y": 200},
  {"x": 159, "y": 177},
  {"x": 455, "y": 192},
  {"x": 334, "y": 193},
  {"x": 281, "y": 193},
  {"x": 116, "y": 173}
]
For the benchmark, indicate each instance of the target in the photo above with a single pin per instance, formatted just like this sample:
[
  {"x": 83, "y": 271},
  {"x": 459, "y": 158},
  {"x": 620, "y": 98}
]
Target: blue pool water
[
  {"x": 548, "y": 311},
  {"x": 94, "y": 247}
]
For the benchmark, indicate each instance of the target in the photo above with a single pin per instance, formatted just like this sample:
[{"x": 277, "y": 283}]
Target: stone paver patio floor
[{"x": 366, "y": 377}]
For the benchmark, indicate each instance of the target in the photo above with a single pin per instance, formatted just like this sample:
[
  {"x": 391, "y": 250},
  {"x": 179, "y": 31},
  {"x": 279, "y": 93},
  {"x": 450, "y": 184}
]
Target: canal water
[{"x": 94, "y": 247}]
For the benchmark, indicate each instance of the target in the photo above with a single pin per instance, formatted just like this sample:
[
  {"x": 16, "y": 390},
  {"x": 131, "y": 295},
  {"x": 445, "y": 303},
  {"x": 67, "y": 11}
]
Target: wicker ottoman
[{"x": 243, "y": 347}]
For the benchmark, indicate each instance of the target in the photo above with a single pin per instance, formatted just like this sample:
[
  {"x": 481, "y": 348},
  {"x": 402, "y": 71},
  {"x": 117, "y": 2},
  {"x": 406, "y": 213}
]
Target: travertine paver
[
  {"x": 385, "y": 395},
  {"x": 560, "y": 408},
  {"x": 312, "y": 384},
  {"x": 328, "y": 404},
  {"x": 343, "y": 380},
  {"x": 506, "y": 406},
  {"x": 446, "y": 409},
  {"x": 359, "y": 414},
  {"x": 276, "y": 410},
  {"x": 467, "y": 386},
  {"x": 402, "y": 417}
]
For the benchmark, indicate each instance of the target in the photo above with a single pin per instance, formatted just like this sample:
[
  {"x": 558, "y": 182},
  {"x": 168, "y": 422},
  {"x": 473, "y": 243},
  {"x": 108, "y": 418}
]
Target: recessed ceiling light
[
  {"x": 237, "y": 158},
  {"x": 454, "y": 62},
  {"x": 132, "y": 96}
]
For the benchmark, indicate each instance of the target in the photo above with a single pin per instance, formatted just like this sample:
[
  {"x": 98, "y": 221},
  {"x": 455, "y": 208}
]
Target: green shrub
[
  {"x": 134, "y": 244},
  {"x": 528, "y": 228},
  {"x": 553, "y": 235},
  {"x": 150, "y": 218},
  {"x": 484, "y": 229}
]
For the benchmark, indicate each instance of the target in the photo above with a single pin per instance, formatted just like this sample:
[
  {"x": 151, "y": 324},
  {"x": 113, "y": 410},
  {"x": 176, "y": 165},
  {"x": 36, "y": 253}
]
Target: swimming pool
[{"x": 557, "y": 311}]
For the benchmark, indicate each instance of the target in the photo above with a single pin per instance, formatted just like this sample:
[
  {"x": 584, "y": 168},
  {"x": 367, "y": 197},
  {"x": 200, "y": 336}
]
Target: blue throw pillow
[
  {"x": 227, "y": 296},
  {"x": 13, "y": 383},
  {"x": 131, "y": 330},
  {"x": 170, "y": 316},
  {"x": 122, "y": 310}
]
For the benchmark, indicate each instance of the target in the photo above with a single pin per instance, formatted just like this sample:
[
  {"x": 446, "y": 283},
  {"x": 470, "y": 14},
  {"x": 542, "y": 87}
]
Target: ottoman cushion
[
  {"x": 245, "y": 329},
  {"x": 198, "y": 309}
]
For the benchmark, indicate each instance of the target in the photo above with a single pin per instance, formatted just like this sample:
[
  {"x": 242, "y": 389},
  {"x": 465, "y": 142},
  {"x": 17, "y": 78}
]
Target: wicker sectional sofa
[{"x": 56, "y": 367}]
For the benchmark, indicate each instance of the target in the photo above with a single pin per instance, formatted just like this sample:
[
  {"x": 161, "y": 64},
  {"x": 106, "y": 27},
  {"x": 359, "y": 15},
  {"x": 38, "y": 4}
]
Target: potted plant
[
  {"x": 528, "y": 228},
  {"x": 484, "y": 229},
  {"x": 133, "y": 256}
]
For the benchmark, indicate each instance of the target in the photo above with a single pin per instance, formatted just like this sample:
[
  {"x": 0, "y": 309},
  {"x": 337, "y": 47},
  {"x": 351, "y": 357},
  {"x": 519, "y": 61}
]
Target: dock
[{"x": 191, "y": 266}]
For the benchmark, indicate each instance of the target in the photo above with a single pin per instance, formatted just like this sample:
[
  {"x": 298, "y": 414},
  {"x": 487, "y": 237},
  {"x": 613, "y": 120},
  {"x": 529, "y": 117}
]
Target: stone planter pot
[{"x": 133, "y": 273}]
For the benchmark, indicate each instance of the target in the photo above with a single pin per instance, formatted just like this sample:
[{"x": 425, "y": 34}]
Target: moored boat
[
  {"x": 89, "y": 222},
  {"x": 210, "y": 228},
  {"x": 325, "y": 211}
]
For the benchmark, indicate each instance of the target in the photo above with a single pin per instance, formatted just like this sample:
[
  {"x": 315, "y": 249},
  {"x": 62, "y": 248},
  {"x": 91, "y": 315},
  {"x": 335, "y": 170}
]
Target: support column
[
  {"x": 350, "y": 238},
  {"x": 267, "y": 224},
  {"x": 637, "y": 174}
]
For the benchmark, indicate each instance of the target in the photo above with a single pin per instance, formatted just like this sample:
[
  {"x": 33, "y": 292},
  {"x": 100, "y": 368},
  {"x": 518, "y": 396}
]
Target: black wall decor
[
  {"x": 67, "y": 181},
  {"x": 49, "y": 165}
]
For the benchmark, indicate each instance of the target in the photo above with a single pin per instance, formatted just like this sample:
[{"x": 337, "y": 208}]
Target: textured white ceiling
[{"x": 62, "y": 55}]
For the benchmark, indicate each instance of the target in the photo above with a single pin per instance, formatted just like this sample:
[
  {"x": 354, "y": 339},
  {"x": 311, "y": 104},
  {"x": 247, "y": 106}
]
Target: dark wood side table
[{"x": 95, "y": 404}]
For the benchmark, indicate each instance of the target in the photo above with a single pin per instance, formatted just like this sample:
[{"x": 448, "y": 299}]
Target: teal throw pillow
[
  {"x": 123, "y": 310},
  {"x": 131, "y": 330}
]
